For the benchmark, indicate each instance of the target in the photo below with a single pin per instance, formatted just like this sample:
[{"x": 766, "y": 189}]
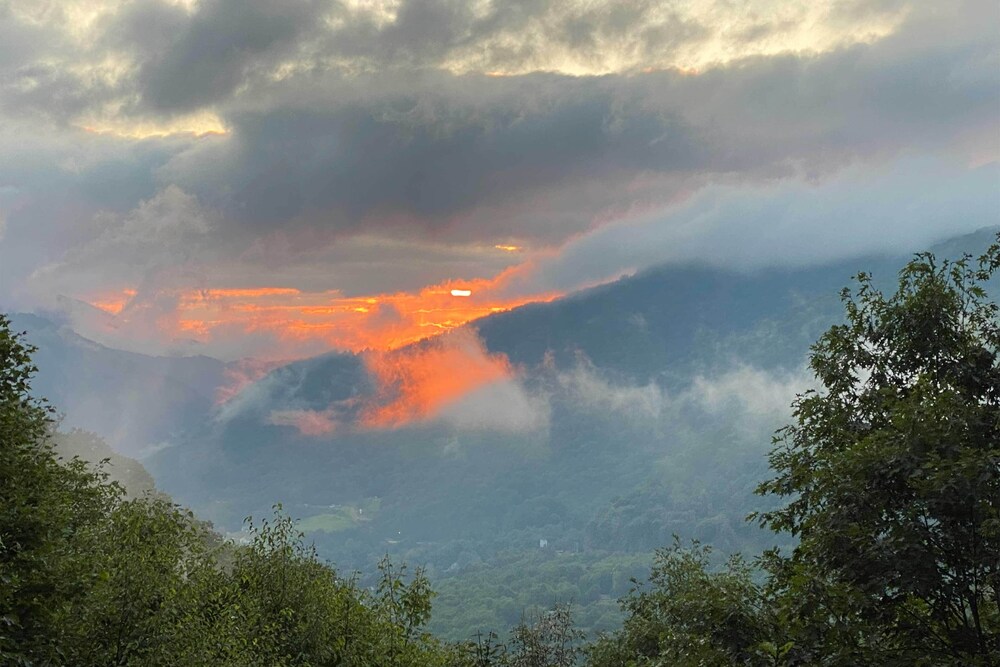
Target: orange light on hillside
[
  {"x": 416, "y": 383},
  {"x": 413, "y": 383},
  {"x": 114, "y": 304}
]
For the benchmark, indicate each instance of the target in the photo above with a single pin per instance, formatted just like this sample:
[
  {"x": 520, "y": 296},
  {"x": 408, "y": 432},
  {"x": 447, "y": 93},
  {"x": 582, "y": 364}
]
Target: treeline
[
  {"x": 91, "y": 577},
  {"x": 498, "y": 593},
  {"x": 890, "y": 476},
  {"x": 891, "y": 473}
]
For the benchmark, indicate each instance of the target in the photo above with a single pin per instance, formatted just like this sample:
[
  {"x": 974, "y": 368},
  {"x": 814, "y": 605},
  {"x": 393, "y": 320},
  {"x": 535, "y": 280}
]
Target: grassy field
[{"x": 339, "y": 518}]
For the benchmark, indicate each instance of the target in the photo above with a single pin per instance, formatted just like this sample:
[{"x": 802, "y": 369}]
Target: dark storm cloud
[
  {"x": 55, "y": 185},
  {"x": 429, "y": 151},
  {"x": 156, "y": 58},
  {"x": 430, "y": 158},
  {"x": 209, "y": 55}
]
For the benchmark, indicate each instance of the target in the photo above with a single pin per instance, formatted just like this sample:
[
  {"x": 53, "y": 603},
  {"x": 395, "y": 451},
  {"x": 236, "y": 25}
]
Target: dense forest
[{"x": 885, "y": 488}]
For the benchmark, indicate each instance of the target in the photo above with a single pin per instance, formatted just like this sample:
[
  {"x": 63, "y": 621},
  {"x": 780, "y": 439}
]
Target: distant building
[{"x": 543, "y": 543}]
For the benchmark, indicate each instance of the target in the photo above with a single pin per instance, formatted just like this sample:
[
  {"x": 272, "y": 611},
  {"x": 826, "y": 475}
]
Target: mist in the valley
[{"x": 512, "y": 292}]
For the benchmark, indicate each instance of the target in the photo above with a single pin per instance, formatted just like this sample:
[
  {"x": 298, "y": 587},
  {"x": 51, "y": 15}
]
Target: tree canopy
[
  {"x": 891, "y": 471},
  {"x": 893, "y": 475},
  {"x": 92, "y": 577}
]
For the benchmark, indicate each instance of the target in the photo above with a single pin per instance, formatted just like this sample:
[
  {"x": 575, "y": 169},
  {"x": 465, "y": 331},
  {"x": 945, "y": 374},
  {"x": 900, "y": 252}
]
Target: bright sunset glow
[
  {"x": 413, "y": 385},
  {"x": 294, "y": 318},
  {"x": 416, "y": 383},
  {"x": 113, "y": 304}
]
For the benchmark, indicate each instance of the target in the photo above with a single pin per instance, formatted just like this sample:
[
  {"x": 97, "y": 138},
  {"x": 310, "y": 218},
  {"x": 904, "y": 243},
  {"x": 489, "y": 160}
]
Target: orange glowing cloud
[
  {"x": 113, "y": 304},
  {"x": 416, "y": 383},
  {"x": 300, "y": 324},
  {"x": 412, "y": 385}
]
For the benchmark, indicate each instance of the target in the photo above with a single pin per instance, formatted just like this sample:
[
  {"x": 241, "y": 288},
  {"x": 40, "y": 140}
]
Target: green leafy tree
[
  {"x": 892, "y": 469},
  {"x": 485, "y": 651},
  {"x": 49, "y": 515},
  {"x": 284, "y": 598},
  {"x": 690, "y": 615},
  {"x": 405, "y": 606},
  {"x": 148, "y": 555},
  {"x": 89, "y": 576},
  {"x": 287, "y": 607},
  {"x": 550, "y": 640}
]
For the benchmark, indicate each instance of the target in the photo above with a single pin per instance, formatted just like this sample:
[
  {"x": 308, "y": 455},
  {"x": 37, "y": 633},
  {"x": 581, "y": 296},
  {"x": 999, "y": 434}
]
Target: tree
[
  {"x": 141, "y": 606},
  {"x": 278, "y": 604},
  {"x": 892, "y": 470},
  {"x": 91, "y": 577},
  {"x": 689, "y": 615},
  {"x": 48, "y": 514},
  {"x": 550, "y": 640}
]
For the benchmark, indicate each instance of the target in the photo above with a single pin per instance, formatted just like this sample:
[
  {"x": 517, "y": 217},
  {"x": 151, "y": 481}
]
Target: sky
[{"x": 273, "y": 180}]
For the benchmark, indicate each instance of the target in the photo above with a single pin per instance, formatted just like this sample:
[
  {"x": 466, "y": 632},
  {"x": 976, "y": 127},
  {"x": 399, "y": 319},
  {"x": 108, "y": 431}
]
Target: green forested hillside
[
  {"x": 883, "y": 493},
  {"x": 512, "y": 586},
  {"x": 659, "y": 399},
  {"x": 890, "y": 476},
  {"x": 92, "y": 449}
]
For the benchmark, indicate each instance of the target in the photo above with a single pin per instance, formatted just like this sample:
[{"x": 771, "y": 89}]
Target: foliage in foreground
[
  {"x": 892, "y": 471},
  {"x": 91, "y": 577}
]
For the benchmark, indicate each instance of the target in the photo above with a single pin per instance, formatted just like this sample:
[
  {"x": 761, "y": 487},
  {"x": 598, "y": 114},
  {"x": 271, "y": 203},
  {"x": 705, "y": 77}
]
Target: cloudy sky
[{"x": 276, "y": 179}]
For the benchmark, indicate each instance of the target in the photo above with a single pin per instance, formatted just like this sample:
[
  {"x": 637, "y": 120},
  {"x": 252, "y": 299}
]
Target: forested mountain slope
[
  {"x": 134, "y": 401},
  {"x": 629, "y": 413}
]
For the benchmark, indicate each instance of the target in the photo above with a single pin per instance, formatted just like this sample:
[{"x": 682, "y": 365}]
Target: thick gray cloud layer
[
  {"x": 432, "y": 151},
  {"x": 188, "y": 61},
  {"x": 173, "y": 55},
  {"x": 372, "y": 146}
]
